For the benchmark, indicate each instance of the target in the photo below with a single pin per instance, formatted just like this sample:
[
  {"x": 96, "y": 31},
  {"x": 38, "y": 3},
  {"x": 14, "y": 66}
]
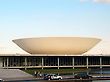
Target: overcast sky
[{"x": 39, "y": 18}]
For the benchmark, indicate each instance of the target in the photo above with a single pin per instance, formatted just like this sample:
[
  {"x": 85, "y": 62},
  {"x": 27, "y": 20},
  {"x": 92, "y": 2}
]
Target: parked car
[
  {"x": 82, "y": 76},
  {"x": 1, "y": 80},
  {"x": 52, "y": 77}
]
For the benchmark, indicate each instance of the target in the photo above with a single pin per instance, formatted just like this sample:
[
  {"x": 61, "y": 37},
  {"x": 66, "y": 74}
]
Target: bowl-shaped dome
[{"x": 56, "y": 45}]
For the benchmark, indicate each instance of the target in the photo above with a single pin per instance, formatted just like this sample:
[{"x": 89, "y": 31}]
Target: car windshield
[
  {"x": 55, "y": 75},
  {"x": 81, "y": 74}
]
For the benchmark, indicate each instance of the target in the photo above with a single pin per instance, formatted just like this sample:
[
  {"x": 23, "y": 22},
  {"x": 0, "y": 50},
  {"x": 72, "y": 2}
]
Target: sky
[{"x": 46, "y": 18}]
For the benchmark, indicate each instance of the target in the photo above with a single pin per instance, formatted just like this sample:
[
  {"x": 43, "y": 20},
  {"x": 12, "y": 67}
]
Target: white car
[
  {"x": 52, "y": 77},
  {"x": 56, "y": 77},
  {"x": 1, "y": 80}
]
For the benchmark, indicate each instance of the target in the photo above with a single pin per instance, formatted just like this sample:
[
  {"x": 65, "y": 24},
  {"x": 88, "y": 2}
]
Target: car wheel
[
  {"x": 49, "y": 79},
  {"x": 81, "y": 78},
  {"x": 90, "y": 77},
  {"x": 59, "y": 79}
]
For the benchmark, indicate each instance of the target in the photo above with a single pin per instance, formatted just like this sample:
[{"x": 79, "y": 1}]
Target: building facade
[
  {"x": 58, "y": 62},
  {"x": 55, "y": 52}
]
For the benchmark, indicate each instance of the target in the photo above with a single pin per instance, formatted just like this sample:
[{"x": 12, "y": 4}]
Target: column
[
  {"x": 42, "y": 62},
  {"x": 100, "y": 62},
  {"x": 7, "y": 62},
  {"x": 58, "y": 63},
  {"x": 4, "y": 62},
  {"x": 87, "y": 62},
  {"x": 100, "y": 66},
  {"x": 1, "y": 62},
  {"x": 25, "y": 63},
  {"x": 73, "y": 62}
]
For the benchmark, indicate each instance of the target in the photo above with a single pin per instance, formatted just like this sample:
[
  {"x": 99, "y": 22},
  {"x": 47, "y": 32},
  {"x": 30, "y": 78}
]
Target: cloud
[
  {"x": 97, "y": 1},
  {"x": 102, "y": 1}
]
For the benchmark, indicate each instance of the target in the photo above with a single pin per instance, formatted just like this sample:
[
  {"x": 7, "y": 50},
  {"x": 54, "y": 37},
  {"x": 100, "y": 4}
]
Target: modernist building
[{"x": 55, "y": 52}]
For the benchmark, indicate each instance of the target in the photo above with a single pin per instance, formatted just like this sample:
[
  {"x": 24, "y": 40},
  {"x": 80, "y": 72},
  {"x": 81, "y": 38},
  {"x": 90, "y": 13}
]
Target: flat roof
[{"x": 44, "y": 55}]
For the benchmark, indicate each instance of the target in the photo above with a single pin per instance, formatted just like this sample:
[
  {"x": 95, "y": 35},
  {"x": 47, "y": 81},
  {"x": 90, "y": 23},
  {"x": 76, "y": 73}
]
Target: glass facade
[
  {"x": 94, "y": 60},
  {"x": 106, "y": 61},
  {"x": 79, "y": 60},
  {"x": 34, "y": 61},
  {"x": 65, "y": 61},
  {"x": 55, "y": 61},
  {"x": 50, "y": 61}
]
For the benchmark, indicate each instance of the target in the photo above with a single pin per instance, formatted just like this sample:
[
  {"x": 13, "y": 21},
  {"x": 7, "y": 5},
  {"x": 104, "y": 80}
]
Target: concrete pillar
[
  {"x": 100, "y": 62},
  {"x": 7, "y": 62},
  {"x": 73, "y": 62},
  {"x": 25, "y": 63},
  {"x": 58, "y": 62},
  {"x": 87, "y": 62},
  {"x": 42, "y": 63},
  {"x": 1, "y": 62},
  {"x": 4, "y": 62}
]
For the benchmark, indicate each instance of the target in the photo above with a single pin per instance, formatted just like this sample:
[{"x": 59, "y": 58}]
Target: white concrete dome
[{"x": 56, "y": 45}]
